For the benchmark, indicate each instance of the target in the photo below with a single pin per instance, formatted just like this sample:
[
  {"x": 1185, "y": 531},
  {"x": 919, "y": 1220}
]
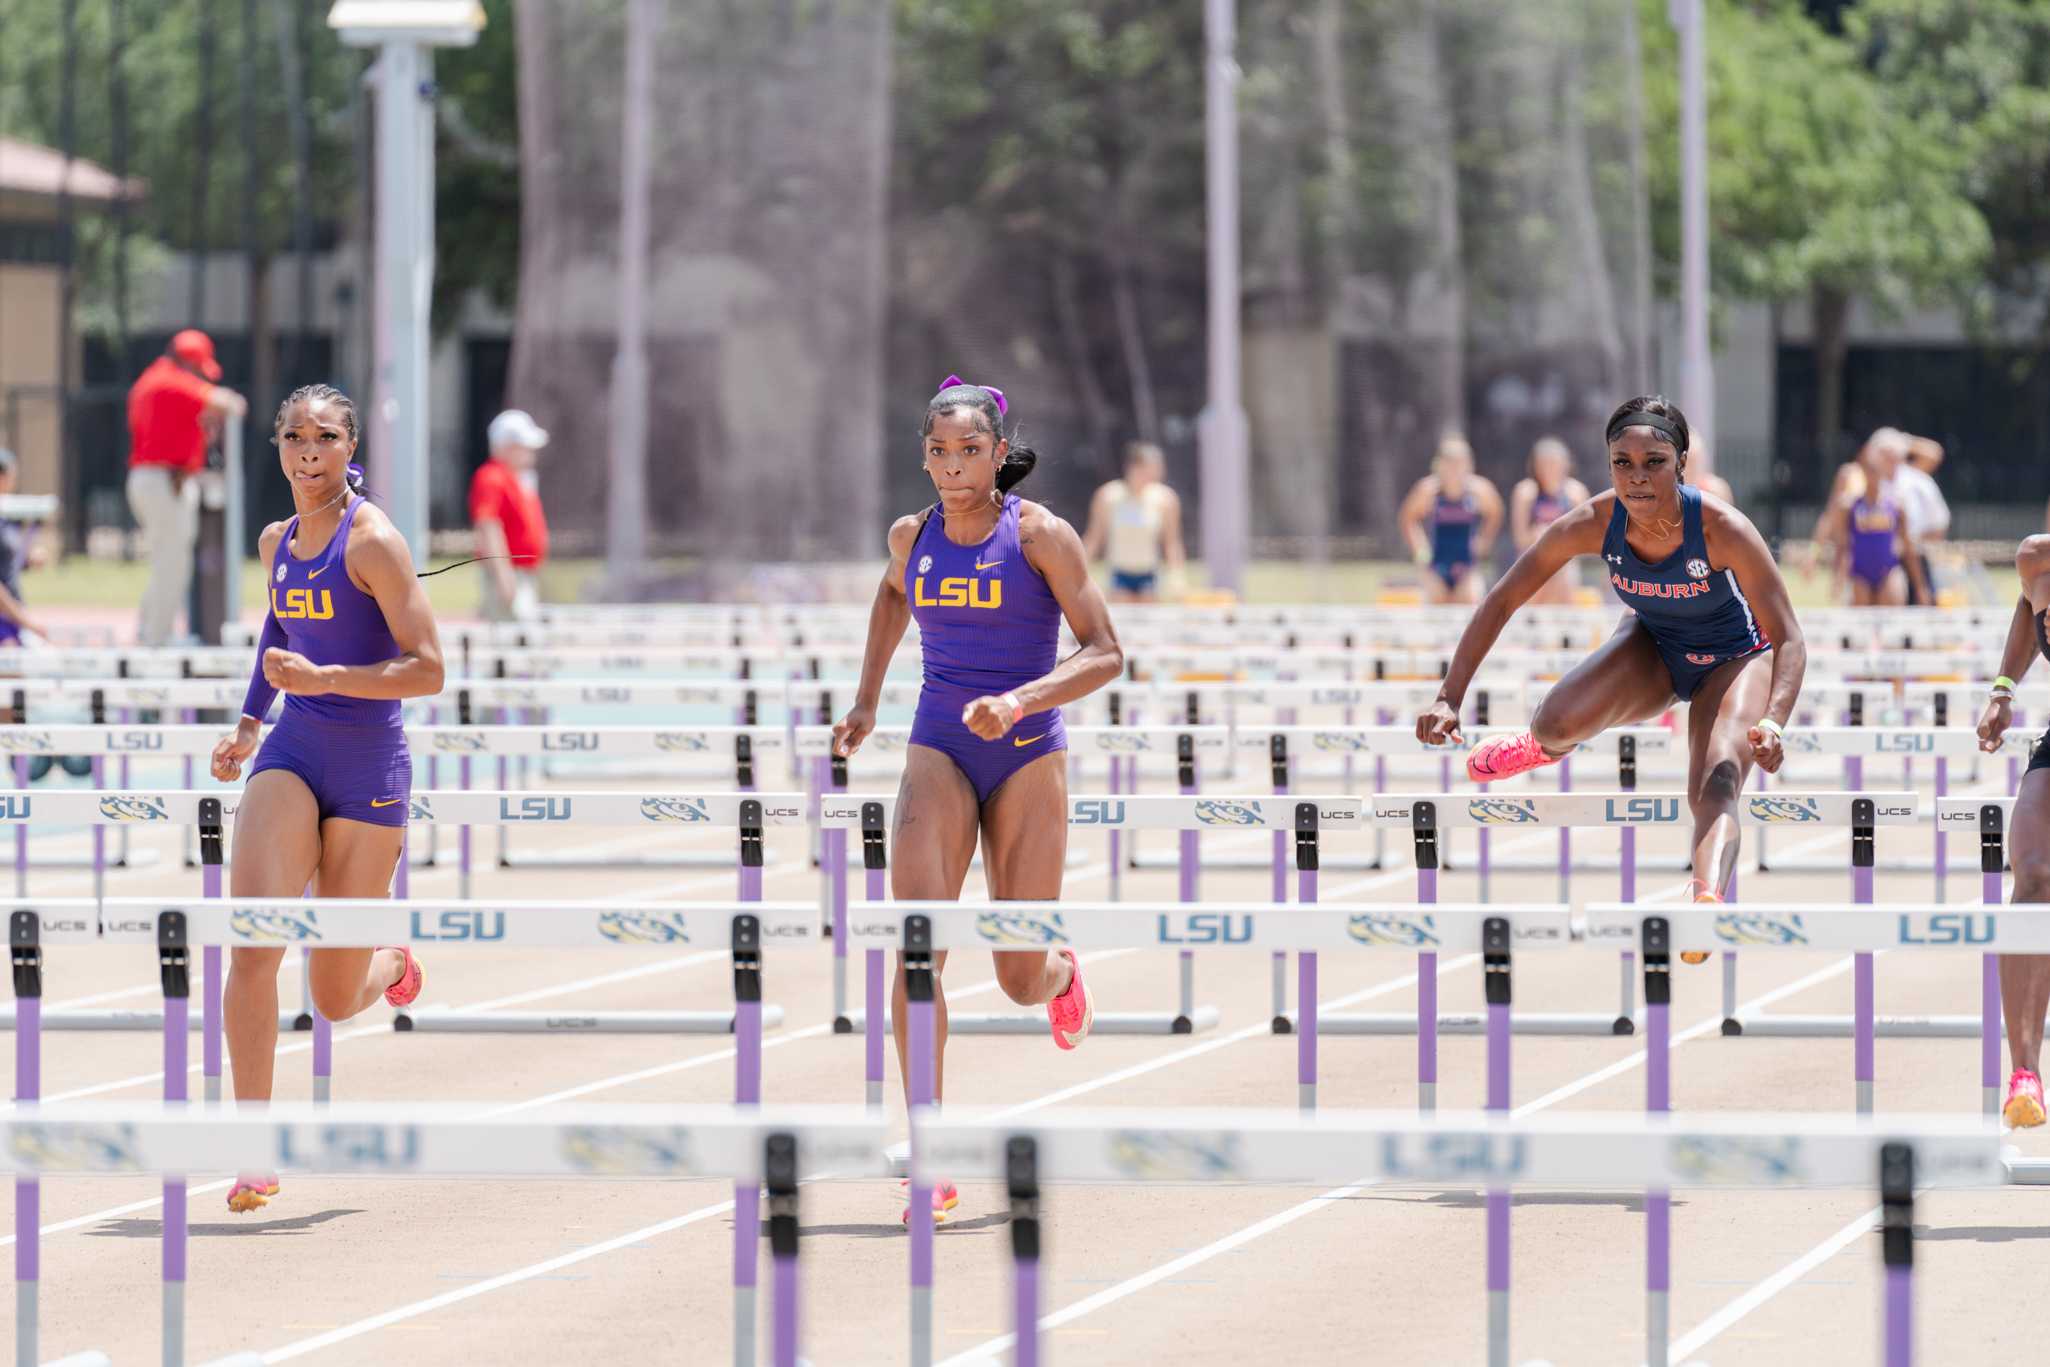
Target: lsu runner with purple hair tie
[
  {"x": 348, "y": 636},
  {"x": 988, "y": 576}
]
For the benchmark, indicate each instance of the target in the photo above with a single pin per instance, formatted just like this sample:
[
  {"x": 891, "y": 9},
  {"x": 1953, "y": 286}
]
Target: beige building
[{"x": 33, "y": 251}]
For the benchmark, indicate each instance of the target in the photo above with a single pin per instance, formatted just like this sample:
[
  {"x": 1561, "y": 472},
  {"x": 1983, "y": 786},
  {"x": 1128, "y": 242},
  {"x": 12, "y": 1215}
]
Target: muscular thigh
[
  {"x": 1623, "y": 681},
  {"x": 932, "y": 838},
  {"x": 1025, "y": 832},
  {"x": 2030, "y": 837},
  {"x": 357, "y": 858},
  {"x": 277, "y": 837},
  {"x": 1720, "y": 716}
]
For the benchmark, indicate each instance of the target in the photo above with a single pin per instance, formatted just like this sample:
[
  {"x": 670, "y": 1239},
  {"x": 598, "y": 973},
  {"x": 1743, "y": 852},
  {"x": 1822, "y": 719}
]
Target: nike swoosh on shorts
[
  {"x": 383, "y": 801},
  {"x": 1022, "y": 743}
]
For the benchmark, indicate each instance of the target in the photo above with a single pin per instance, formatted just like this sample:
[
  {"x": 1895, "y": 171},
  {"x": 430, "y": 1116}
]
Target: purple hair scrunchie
[{"x": 1003, "y": 408}]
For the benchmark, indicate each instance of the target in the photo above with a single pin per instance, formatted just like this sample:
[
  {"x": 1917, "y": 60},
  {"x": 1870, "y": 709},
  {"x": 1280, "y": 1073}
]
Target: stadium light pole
[
  {"x": 1221, "y": 428},
  {"x": 405, "y": 32},
  {"x": 1697, "y": 365}
]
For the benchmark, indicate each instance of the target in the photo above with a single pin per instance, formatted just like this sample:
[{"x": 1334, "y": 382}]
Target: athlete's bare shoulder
[
  {"x": 1037, "y": 522},
  {"x": 267, "y": 543},
  {"x": 376, "y": 546},
  {"x": 2032, "y": 557},
  {"x": 904, "y": 533}
]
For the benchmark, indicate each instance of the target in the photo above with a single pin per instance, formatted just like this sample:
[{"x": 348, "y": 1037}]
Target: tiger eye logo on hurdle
[
  {"x": 349, "y": 1148},
  {"x": 1122, "y": 742},
  {"x": 1452, "y": 1157},
  {"x": 1948, "y": 928},
  {"x": 27, "y": 742},
  {"x": 1021, "y": 928},
  {"x": 644, "y": 928},
  {"x": 616, "y": 1151},
  {"x": 1502, "y": 811},
  {"x": 682, "y": 742},
  {"x": 1151, "y": 1155},
  {"x": 419, "y": 809},
  {"x": 1784, "y": 810},
  {"x": 1370, "y": 928},
  {"x": 1335, "y": 696},
  {"x": 274, "y": 923},
  {"x": 127, "y": 807},
  {"x": 570, "y": 740},
  {"x": 1738, "y": 1160},
  {"x": 1744, "y": 928},
  {"x": 1799, "y": 742},
  {"x": 75, "y": 1147},
  {"x": 601, "y": 694},
  {"x": 1218, "y": 812},
  {"x": 466, "y": 742},
  {"x": 1350, "y": 742},
  {"x": 539, "y": 809},
  {"x": 1205, "y": 928},
  {"x": 679, "y": 809},
  {"x": 1096, "y": 811}
]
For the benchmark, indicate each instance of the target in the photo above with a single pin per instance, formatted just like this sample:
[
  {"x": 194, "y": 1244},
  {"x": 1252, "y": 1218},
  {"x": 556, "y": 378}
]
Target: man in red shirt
[
  {"x": 173, "y": 410},
  {"x": 506, "y": 518}
]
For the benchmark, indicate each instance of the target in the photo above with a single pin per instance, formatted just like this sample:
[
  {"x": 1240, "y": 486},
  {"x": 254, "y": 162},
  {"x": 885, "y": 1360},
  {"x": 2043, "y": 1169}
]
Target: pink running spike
[
  {"x": 2024, "y": 1107},
  {"x": 1073, "y": 1012},
  {"x": 406, "y": 990},
  {"x": 1500, "y": 757}
]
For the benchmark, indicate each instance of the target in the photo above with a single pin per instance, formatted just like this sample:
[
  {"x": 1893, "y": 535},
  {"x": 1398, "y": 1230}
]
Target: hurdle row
[{"x": 779, "y": 1150}]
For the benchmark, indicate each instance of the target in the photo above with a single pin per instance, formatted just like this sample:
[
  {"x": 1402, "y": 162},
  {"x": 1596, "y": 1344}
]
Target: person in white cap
[{"x": 506, "y": 519}]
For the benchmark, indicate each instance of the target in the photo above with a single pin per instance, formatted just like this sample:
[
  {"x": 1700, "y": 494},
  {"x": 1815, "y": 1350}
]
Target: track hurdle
[
  {"x": 1460, "y": 1152},
  {"x": 742, "y": 929},
  {"x": 749, "y": 816},
  {"x": 1425, "y": 815},
  {"x": 1193, "y": 815},
  {"x": 775, "y": 1148}
]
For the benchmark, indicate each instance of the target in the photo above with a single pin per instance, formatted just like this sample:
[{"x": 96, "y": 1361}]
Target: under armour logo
[{"x": 1613, "y": 559}]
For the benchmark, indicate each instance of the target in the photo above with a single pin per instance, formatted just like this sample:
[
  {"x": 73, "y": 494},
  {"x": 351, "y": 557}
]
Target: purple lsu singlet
[
  {"x": 1875, "y": 531},
  {"x": 330, "y": 621},
  {"x": 987, "y": 624}
]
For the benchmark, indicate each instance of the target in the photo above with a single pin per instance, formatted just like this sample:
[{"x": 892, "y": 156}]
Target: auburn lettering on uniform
[
  {"x": 959, "y": 591},
  {"x": 310, "y": 604},
  {"x": 1646, "y": 590}
]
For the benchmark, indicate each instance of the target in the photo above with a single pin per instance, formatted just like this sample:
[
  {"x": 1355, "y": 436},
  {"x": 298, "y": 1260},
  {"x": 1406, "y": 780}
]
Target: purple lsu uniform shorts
[{"x": 357, "y": 773}]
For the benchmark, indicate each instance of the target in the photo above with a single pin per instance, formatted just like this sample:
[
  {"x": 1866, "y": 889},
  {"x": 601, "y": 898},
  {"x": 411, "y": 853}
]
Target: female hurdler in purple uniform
[
  {"x": 348, "y": 635},
  {"x": 988, "y": 577}
]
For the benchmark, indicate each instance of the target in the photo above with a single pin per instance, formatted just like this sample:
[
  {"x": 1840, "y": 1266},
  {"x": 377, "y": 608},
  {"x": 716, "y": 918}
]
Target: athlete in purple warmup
[
  {"x": 988, "y": 576},
  {"x": 1710, "y": 625},
  {"x": 348, "y": 635}
]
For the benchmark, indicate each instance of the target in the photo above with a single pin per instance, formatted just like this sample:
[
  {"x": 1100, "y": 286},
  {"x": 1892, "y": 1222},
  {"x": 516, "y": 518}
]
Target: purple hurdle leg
[
  {"x": 1900, "y": 1316},
  {"x": 1498, "y": 1199},
  {"x": 402, "y": 875},
  {"x": 1942, "y": 840},
  {"x": 1306, "y": 1003},
  {"x": 1627, "y": 891},
  {"x": 783, "y": 1343},
  {"x": 1427, "y": 1007},
  {"x": 835, "y": 854},
  {"x": 1566, "y": 836},
  {"x": 920, "y": 1043},
  {"x": 1861, "y": 970},
  {"x": 100, "y": 836},
  {"x": 463, "y": 837},
  {"x": 210, "y": 998},
  {"x": 1025, "y": 1311},
  {"x": 177, "y": 1020},
  {"x": 1486, "y": 865},
  {"x": 1989, "y": 1005},
  {"x": 1658, "y": 1204},
  {"x": 872, "y": 1024},
  {"x": 28, "y": 1191},
  {"x": 747, "y": 1217},
  {"x": 323, "y": 1059},
  {"x": 1897, "y": 1249},
  {"x": 1280, "y": 894},
  {"x": 1187, "y": 864}
]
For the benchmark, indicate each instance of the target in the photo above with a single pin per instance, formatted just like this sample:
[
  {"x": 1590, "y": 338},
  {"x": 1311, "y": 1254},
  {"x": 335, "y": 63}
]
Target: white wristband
[
  {"x": 1768, "y": 724},
  {"x": 1017, "y": 708}
]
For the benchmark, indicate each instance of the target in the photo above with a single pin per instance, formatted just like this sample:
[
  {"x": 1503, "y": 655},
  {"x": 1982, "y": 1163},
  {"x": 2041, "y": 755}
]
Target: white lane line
[
  {"x": 1705, "y": 1332},
  {"x": 988, "y": 1351}
]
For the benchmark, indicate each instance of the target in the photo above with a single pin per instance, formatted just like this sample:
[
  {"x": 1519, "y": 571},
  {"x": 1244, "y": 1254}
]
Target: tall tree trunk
[
  {"x": 117, "y": 111},
  {"x": 1604, "y": 321},
  {"x": 1341, "y": 218},
  {"x": 1096, "y": 409},
  {"x": 1832, "y": 310},
  {"x": 292, "y": 70},
  {"x": 1641, "y": 365},
  {"x": 1124, "y": 297},
  {"x": 199, "y": 226},
  {"x": 71, "y": 471}
]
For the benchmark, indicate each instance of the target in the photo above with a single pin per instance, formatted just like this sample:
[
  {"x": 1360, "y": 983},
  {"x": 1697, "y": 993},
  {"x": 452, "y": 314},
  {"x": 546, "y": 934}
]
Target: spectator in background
[
  {"x": 1136, "y": 523},
  {"x": 174, "y": 409},
  {"x": 16, "y": 555},
  {"x": 1924, "y": 507},
  {"x": 506, "y": 519},
  {"x": 1540, "y": 499}
]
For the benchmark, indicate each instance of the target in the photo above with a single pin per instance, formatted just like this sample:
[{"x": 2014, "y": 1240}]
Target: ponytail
[{"x": 1018, "y": 463}]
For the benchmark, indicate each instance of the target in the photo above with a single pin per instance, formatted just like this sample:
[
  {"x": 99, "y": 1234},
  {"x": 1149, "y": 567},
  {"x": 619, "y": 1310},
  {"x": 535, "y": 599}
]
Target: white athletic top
[
  {"x": 1133, "y": 546},
  {"x": 1922, "y": 503}
]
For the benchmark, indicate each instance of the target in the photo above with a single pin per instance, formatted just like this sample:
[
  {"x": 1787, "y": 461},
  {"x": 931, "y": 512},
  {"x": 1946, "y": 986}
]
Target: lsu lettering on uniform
[
  {"x": 351, "y": 752},
  {"x": 1696, "y": 614},
  {"x": 987, "y": 623}
]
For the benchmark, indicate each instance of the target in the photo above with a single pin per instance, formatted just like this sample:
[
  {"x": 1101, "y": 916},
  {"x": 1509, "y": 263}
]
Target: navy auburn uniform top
[{"x": 1697, "y": 615}]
